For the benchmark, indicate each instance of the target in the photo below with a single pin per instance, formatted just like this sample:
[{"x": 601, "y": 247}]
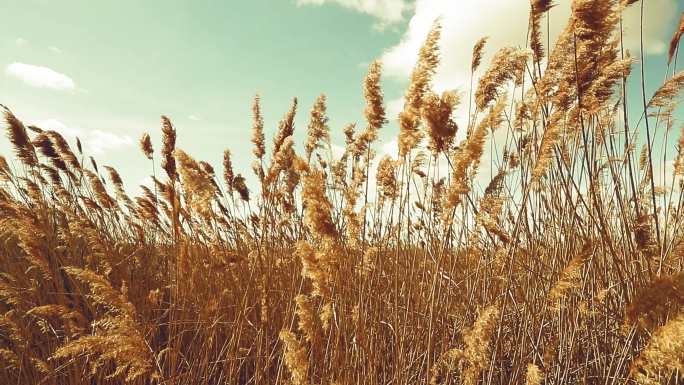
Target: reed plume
[
  {"x": 668, "y": 91},
  {"x": 308, "y": 321},
  {"x": 16, "y": 132},
  {"x": 674, "y": 43},
  {"x": 285, "y": 127},
  {"x": 45, "y": 146},
  {"x": 507, "y": 64},
  {"x": 421, "y": 78},
  {"x": 241, "y": 187},
  {"x": 550, "y": 139},
  {"x": 117, "y": 181},
  {"x": 318, "y": 129},
  {"x": 387, "y": 178},
  {"x": 258, "y": 129},
  {"x": 101, "y": 194},
  {"x": 661, "y": 297},
  {"x": 296, "y": 359},
  {"x": 228, "y": 173},
  {"x": 197, "y": 186},
  {"x": 314, "y": 269},
  {"x": 467, "y": 157},
  {"x": 534, "y": 375},
  {"x": 168, "y": 148},
  {"x": 146, "y": 146},
  {"x": 317, "y": 210},
  {"x": 678, "y": 164},
  {"x": 117, "y": 340},
  {"x": 663, "y": 355},
  {"x": 478, "y": 52},
  {"x": 569, "y": 278},
  {"x": 437, "y": 114},
  {"x": 63, "y": 149},
  {"x": 538, "y": 9},
  {"x": 477, "y": 340},
  {"x": 102, "y": 292},
  {"x": 375, "y": 108}
]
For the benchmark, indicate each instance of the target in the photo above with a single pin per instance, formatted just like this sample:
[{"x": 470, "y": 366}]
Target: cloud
[
  {"x": 394, "y": 107},
  {"x": 95, "y": 142},
  {"x": 390, "y": 148},
  {"x": 463, "y": 22},
  {"x": 337, "y": 151},
  {"x": 55, "y": 50},
  {"x": 100, "y": 141},
  {"x": 40, "y": 77},
  {"x": 56, "y": 125},
  {"x": 20, "y": 42},
  {"x": 387, "y": 11},
  {"x": 505, "y": 23},
  {"x": 194, "y": 117}
]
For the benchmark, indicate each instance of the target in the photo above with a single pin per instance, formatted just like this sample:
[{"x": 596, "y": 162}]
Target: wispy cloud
[
  {"x": 40, "y": 77},
  {"x": 100, "y": 141},
  {"x": 194, "y": 117},
  {"x": 56, "y": 50},
  {"x": 20, "y": 42},
  {"x": 387, "y": 11}
]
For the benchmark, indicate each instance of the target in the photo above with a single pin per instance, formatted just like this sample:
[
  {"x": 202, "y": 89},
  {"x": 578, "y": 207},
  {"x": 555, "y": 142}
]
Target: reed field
[{"x": 563, "y": 267}]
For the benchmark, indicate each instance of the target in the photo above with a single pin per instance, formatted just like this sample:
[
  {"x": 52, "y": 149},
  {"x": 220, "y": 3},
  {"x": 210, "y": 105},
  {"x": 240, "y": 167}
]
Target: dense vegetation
[{"x": 565, "y": 268}]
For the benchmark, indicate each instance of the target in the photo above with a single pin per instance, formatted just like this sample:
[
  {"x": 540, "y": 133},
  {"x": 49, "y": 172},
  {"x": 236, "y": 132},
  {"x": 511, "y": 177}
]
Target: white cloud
[
  {"x": 337, "y": 151},
  {"x": 505, "y": 23},
  {"x": 20, "y": 42},
  {"x": 390, "y": 148},
  {"x": 463, "y": 23},
  {"x": 95, "y": 142},
  {"x": 56, "y": 125},
  {"x": 55, "y": 49},
  {"x": 100, "y": 141},
  {"x": 394, "y": 107},
  {"x": 40, "y": 77},
  {"x": 194, "y": 117},
  {"x": 387, "y": 11}
]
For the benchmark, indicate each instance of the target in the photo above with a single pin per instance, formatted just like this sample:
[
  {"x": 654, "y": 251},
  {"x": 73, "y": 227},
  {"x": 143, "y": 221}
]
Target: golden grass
[{"x": 566, "y": 268}]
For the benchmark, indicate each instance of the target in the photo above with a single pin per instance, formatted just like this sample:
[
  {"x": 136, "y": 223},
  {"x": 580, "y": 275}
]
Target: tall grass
[{"x": 565, "y": 268}]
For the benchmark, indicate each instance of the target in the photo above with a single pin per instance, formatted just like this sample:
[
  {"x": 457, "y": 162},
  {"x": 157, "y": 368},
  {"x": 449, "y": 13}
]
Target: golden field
[{"x": 564, "y": 267}]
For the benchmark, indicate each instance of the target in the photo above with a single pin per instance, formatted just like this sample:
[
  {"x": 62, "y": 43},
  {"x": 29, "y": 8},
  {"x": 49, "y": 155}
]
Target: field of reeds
[{"x": 565, "y": 267}]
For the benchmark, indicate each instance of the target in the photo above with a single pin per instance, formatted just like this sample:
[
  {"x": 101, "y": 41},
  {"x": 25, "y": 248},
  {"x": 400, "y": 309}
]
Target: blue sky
[{"x": 106, "y": 71}]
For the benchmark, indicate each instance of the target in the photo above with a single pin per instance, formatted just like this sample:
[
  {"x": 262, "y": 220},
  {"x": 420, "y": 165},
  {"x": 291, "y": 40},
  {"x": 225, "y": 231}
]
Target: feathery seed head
[{"x": 146, "y": 146}]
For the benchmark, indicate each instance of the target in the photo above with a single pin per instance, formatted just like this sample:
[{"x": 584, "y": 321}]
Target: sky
[{"x": 105, "y": 71}]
